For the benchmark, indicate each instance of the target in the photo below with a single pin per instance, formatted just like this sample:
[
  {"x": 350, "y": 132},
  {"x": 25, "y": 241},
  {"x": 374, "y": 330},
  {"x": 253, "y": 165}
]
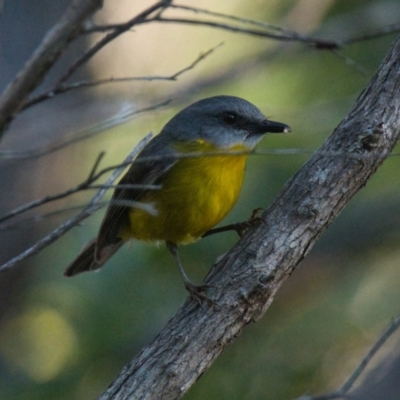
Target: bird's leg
[
  {"x": 194, "y": 290},
  {"x": 239, "y": 227}
]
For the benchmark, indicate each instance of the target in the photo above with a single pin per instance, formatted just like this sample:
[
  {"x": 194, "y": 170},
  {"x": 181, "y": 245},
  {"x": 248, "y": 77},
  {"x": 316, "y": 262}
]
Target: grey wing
[{"x": 116, "y": 217}]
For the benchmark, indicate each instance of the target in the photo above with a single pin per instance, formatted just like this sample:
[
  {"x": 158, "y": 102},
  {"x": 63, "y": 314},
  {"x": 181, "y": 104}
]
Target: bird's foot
[
  {"x": 197, "y": 293},
  {"x": 240, "y": 227},
  {"x": 255, "y": 219}
]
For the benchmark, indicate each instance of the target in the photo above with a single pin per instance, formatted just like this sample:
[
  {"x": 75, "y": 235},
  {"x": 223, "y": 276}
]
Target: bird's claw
[
  {"x": 242, "y": 227},
  {"x": 197, "y": 293}
]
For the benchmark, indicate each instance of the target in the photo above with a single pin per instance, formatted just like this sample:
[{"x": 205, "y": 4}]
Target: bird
[{"x": 198, "y": 162}]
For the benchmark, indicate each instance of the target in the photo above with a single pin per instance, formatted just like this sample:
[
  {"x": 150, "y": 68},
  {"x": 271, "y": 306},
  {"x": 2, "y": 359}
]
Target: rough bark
[{"x": 245, "y": 280}]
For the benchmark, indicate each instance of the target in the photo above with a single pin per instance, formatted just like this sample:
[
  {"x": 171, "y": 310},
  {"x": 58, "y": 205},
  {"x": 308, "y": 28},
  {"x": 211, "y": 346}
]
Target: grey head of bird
[{"x": 222, "y": 121}]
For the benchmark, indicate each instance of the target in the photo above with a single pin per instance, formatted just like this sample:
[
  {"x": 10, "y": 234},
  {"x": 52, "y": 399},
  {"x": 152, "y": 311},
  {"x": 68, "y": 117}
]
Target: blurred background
[{"x": 68, "y": 338}]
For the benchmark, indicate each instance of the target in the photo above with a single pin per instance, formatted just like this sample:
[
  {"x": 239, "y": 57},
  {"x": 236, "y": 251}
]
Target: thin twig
[
  {"x": 352, "y": 63},
  {"x": 150, "y": 209},
  {"x": 125, "y": 186},
  {"x": 242, "y": 20},
  {"x": 285, "y": 34},
  {"x": 50, "y": 49},
  {"x": 86, "y": 212},
  {"x": 108, "y": 27},
  {"x": 108, "y": 38},
  {"x": 79, "y": 188},
  {"x": 64, "y": 88},
  {"x": 93, "y": 176},
  {"x": 386, "y": 30},
  {"x": 343, "y": 391},
  {"x": 95, "y": 166},
  {"x": 316, "y": 42},
  {"x": 125, "y": 114},
  {"x": 38, "y": 202},
  {"x": 84, "y": 185}
]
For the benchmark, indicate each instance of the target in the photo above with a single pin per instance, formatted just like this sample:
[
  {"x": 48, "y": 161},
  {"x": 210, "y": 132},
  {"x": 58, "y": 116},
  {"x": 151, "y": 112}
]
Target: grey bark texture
[{"x": 245, "y": 280}]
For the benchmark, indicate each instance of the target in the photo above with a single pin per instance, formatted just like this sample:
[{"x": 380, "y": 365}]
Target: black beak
[{"x": 269, "y": 126}]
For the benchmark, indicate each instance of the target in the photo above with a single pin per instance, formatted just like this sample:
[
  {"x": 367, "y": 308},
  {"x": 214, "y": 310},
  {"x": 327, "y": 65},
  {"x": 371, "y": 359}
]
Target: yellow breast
[{"x": 197, "y": 193}]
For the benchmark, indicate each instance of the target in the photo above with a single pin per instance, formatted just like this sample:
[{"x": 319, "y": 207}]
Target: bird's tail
[{"x": 85, "y": 261}]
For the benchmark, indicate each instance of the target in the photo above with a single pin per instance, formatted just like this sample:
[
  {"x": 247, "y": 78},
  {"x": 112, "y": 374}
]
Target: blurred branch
[
  {"x": 386, "y": 30},
  {"x": 133, "y": 204},
  {"x": 316, "y": 42},
  {"x": 85, "y": 185},
  {"x": 52, "y": 46},
  {"x": 37, "y": 203},
  {"x": 86, "y": 212},
  {"x": 286, "y": 34},
  {"x": 64, "y": 88},
  {"x": 14, "y": 98},
  {"x": 267, "y": 30},
  {"x": 117, "y": 31},
  {"x": 94, "y": 176},
  {"x": 343, "y": 391},
  {"x": 125, "y": 114},
  {"x": 244, "y": 281},
  {"x": 238, "y": 19}
]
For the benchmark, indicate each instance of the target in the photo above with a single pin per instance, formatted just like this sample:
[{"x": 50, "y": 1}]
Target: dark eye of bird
[{"x": 229, "y": 118}]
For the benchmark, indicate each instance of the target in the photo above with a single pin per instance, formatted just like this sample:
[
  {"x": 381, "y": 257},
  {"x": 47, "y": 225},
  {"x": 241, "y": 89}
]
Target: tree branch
[
  {"x": 87, "y": 184},
  {"x": 126, "y": 113},
  {"x": 110, "y": 37},
  {"x": 246, "y": 279},
  {"x": 64, "y": 88},
  {"x": 386, "y": 30},
  {"x": 53, "y": 45},
  {"x": 86, "y": 212},
  {"x": 316, "y": 42},
  {"x": 343, "y": 391},
  {"x": 14, "y": 98}
]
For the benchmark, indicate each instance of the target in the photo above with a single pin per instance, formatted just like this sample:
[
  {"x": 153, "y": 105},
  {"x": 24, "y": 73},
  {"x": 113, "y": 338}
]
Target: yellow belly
[{"x": 196, "y": 194}]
